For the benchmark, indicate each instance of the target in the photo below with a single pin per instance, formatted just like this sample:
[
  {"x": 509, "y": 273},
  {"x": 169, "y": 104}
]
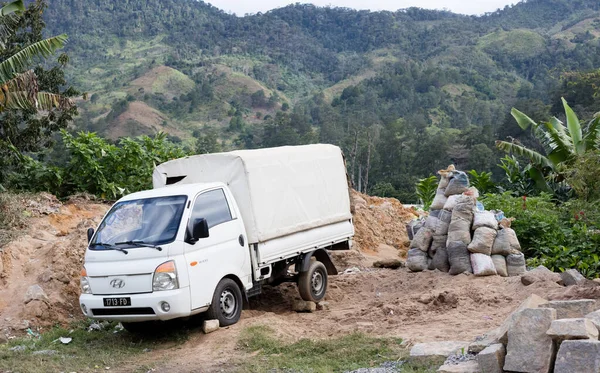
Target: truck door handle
[{"x": 241, "y": 240}]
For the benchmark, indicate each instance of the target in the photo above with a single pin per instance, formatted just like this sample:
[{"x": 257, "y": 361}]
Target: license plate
[{"x": 117, "y": 302}]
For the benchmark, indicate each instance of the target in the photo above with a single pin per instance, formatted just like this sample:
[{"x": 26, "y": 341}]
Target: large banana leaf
[
  {"x": 522, "y": 119},
  {"x": 538, "y": 177},
  {"x": 558, "y": 143},
  {"x": 574, "y": 128},
  {"x": 48, "y": 101},
  {"x": 23, "y": 58},
  {"x": 592, "y": 132},
  {"x": 535, "y": 157},
  {"x": 12, "y": 7}
]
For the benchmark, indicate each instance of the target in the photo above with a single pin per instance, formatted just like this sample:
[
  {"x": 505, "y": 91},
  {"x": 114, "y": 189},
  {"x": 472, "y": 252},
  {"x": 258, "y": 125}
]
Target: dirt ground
[{"x": 419, "y": 307}]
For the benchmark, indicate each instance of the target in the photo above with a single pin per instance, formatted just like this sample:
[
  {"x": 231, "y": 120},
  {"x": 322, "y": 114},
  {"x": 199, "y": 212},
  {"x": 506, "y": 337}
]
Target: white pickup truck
[{"x": 214, "y": 229}]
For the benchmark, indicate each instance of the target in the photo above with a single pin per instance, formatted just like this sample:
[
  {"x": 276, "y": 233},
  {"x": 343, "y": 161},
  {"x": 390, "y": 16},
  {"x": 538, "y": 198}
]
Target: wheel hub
[
  {"x": 228, "y": 305},
  {"x": 317, "y": 282}
]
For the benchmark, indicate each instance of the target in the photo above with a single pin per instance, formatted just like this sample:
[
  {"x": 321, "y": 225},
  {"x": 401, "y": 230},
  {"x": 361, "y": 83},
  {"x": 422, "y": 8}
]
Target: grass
[
  {"x": 88, "y": 351},
  {"x": 341, "y": 354}
]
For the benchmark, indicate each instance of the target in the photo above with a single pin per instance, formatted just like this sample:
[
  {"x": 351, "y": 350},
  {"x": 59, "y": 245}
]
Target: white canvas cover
[{"x": 279, "y": 191}]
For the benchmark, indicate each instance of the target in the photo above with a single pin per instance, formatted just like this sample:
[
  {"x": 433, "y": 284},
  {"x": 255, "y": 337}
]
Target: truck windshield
[{"x": 151, "y": 221}]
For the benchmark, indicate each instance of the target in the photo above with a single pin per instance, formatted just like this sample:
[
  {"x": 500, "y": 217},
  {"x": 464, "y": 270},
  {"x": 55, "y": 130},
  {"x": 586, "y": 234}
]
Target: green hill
[{"x": 383, "y": 85}]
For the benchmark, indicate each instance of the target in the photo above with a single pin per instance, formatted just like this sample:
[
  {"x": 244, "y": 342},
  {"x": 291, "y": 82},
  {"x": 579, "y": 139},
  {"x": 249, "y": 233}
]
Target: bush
[
  {"x": 558, "y": 236},
  {"x": 536, "y": 222}
]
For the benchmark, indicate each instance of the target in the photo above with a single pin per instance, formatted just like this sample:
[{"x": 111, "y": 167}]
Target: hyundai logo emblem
[{"x": 117, "y": 283}]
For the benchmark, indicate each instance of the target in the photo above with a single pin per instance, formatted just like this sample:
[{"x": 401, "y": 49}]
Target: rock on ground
[
  {"x": 571, "y": 309},
  {"x": 35, "y": 292},
  {"x": 209, "y": 326},
  {"x": 529, "y": 348},
  {"x": 436, "y": 351},
  {"x": 540, "y": 273},
  {"x": 389, "y": 263},
  {"x": 491, "y": 360},
  {"x": 578, "y": 356},
  {"x": 572, "y": 277},
  {"x": 470, "y": 366},
  {"x": 561, "y": 330},
  {"x": 304, "y": 306}
]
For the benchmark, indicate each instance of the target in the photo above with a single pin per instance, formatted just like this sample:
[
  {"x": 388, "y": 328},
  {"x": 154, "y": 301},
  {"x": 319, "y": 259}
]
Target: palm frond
[
  {"x": 535, "y": 157},
  {"x": 23, "y": 58},
  {"x": 559, "y": 145},
  {"x": 574, "y": 128}
]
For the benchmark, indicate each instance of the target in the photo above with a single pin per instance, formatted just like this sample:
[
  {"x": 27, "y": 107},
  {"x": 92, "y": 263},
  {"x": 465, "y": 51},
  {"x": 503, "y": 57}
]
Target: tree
[
  {"x": 32, "y": 104},
  {"x": 563, "y": 145}
]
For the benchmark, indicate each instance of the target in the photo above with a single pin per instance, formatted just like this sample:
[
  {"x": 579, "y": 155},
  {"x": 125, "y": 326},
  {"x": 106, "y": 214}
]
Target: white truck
[{"x": 214, "y": 230}]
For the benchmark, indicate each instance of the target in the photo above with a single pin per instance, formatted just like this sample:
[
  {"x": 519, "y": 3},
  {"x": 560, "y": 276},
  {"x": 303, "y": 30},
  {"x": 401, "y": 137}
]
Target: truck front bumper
[{"x": 144, "y": 307}]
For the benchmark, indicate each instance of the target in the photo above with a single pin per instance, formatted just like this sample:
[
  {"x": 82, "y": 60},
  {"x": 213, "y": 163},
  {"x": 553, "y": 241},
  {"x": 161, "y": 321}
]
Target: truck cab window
[{"x": 213, "y": 207}]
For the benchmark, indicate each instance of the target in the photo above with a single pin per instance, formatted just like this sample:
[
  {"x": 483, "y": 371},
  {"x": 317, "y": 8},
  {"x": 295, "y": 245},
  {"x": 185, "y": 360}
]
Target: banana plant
[
  {"x": 563, "y": 145},
  {"x": 19, "y": 86}
]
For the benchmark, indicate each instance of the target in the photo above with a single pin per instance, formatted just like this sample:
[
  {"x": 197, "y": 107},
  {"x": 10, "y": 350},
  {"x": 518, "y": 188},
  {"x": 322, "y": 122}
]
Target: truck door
[{"x": 212, "y": 258}]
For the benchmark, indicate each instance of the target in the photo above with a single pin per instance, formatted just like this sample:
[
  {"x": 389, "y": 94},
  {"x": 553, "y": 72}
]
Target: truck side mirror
[
  {"x": 90, "y": 234},
  {"x": 200, "y": 229}
]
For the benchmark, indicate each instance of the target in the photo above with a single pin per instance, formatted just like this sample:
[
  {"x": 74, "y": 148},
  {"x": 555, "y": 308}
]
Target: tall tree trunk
[{"x": 369, "y": 139}]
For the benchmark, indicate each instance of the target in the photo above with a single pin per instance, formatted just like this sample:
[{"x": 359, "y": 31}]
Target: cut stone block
[
  {"x": 491, "y": 360},
  {"x": 578, "y": 356},
  {"x": 595, "y": 318},
  {"x": 436, "y": 352},
  {"x": 564, "y": 329},
  {"x": 304, "y": 306},
  {"x": 529, "y": 348},
  {"x": 540, "y": 273},
  {"x": 572, "y": 277},
  {"x": 571, "y": 309},
  {"x": 470, "y": 366},
  {"x": 210, "y": 326},
  {"x": 389, "y": 263},
  {"x": 533, "y": 301}
]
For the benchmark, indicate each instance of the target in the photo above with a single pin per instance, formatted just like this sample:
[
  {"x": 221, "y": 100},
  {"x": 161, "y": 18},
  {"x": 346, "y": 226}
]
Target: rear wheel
[
  {"x": 226, "y": 303},
  {"x": 312, "y": 284}
]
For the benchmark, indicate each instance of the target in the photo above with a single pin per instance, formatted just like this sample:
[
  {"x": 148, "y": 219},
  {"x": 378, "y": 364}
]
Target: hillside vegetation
[{"x": 403, "y": 93}]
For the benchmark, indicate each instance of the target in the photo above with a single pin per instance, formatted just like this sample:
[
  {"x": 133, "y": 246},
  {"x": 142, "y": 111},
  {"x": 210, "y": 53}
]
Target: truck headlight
[
  {"x": 165, "y": 277},
  {"x": 84, "y": 282}
]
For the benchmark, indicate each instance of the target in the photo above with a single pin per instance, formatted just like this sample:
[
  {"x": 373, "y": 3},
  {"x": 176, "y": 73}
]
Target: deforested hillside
[{"x": 382, "y": 85}]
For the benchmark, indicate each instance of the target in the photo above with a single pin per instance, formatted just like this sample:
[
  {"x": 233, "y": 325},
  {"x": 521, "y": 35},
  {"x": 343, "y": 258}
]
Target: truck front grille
[{"x": 122, "y": 311}]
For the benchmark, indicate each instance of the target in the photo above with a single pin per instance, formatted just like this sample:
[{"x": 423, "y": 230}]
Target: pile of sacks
[{"x": 459, "y": 236}]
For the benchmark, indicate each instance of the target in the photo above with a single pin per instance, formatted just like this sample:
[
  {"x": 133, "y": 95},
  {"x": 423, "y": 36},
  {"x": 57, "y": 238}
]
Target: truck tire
[
  {"x": 312, "y": 284},
  {"x": 227, "y": 303}
]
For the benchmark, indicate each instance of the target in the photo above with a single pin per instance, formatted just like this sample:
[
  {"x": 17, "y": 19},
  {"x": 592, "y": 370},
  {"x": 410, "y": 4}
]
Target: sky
[{"x": 241, "y": 7}]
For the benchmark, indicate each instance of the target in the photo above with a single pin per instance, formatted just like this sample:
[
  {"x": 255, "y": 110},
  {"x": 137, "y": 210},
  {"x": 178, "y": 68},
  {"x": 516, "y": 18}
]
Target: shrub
[{"x": 426, "y": 189}]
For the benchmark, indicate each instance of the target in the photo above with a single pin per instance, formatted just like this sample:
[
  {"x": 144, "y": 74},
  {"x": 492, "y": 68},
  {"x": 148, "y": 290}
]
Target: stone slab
[
  {"x": 595, "y": 318},
  {"x": 578, "y": 356},
  {"x": 571, "y": 309},
  {"x": 529, "y": 348},
  {"x": 491, "y": 360},
  {"x": 564, "y": 329},
  {"x": 540, "y": 273},
  {"x": 436, "y": 352},
  {"x": 533, "y": 301},
  {"x": 304, "y": 306}
]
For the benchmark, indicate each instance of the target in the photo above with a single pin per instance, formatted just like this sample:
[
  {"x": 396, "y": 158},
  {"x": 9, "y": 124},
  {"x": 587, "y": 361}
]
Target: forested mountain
[{"x": 404, "y": 93}]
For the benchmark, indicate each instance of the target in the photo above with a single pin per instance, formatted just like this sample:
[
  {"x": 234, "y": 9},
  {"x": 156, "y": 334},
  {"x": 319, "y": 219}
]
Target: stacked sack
[{"x": 457, "y": 237}]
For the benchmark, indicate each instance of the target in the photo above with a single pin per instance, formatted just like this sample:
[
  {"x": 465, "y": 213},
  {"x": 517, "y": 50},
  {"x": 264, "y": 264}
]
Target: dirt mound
[
  {"x": 380, "y": 225},
  {"x": 49, "y": 253}
]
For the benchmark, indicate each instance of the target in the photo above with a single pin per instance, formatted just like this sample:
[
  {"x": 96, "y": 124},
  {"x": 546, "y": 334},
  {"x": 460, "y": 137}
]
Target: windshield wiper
[
  {"x": 111, "y": 247},
  {"x": 139, "y": 244}
]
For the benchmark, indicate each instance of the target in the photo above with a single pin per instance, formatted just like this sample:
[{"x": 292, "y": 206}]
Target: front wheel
[
  {"x": 312, "y": 284},
  {"x": 226, "y": 303}
]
